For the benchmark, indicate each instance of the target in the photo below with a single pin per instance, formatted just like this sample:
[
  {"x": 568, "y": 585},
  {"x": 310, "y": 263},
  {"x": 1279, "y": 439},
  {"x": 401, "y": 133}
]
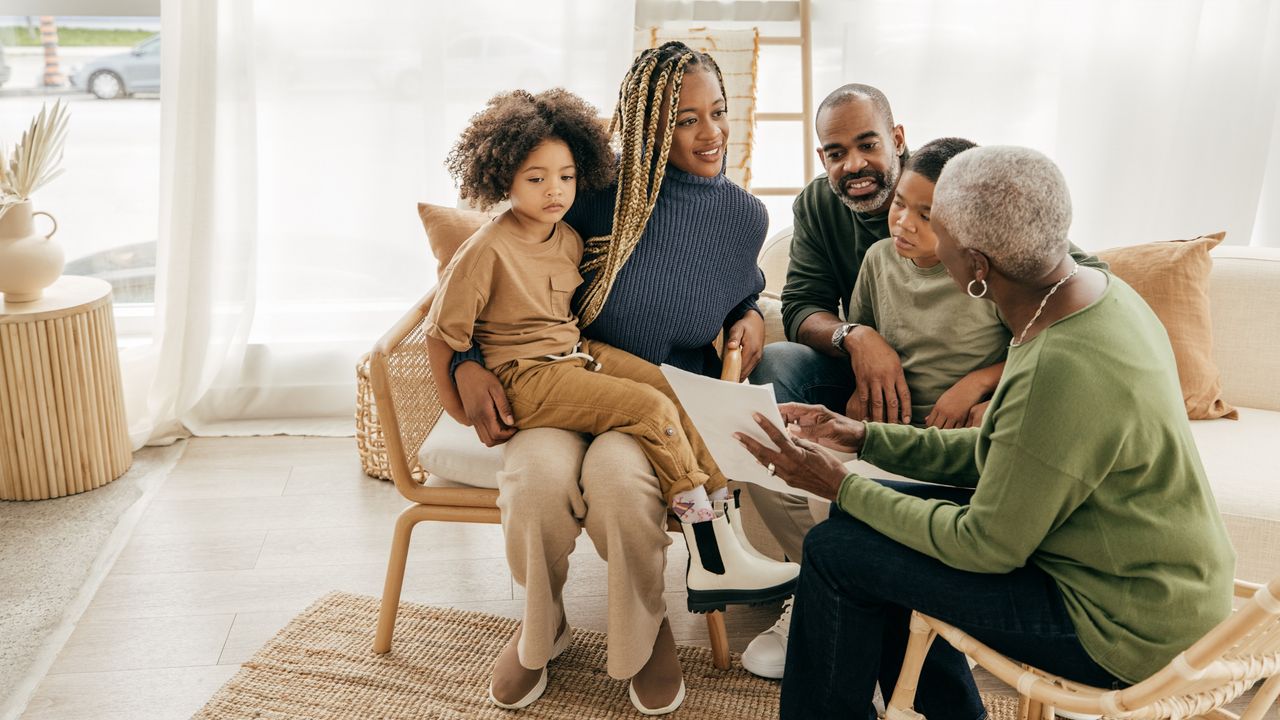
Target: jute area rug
[{"x": 321, "y": 667}]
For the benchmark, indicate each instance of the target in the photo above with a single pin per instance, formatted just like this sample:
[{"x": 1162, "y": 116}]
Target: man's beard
[{"x": 867, "y": 203}]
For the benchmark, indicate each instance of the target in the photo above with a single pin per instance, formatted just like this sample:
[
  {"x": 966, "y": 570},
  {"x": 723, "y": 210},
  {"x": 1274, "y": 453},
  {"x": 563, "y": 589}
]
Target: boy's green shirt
[
  {"x": 940, "y": 333},
  {"x": 1084, "y": 465}
]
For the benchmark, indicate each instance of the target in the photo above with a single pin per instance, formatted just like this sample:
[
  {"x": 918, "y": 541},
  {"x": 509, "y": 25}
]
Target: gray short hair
[{"x": 1009, "y": 203}]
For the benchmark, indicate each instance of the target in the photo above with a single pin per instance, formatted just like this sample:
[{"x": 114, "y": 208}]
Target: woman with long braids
[{"x": 670, "y": 264}]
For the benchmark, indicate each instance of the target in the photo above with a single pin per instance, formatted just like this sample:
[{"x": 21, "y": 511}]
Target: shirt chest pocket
[{"x": 562, "y": 286}]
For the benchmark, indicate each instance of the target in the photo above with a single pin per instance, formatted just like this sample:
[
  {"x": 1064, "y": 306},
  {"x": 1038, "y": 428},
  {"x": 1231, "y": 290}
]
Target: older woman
[{"x": 1073, "y": 530}]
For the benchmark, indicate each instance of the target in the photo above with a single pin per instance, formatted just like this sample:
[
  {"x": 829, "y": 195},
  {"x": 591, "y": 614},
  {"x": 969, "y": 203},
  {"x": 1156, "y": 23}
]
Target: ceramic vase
[{"x": 29, "y": 261}]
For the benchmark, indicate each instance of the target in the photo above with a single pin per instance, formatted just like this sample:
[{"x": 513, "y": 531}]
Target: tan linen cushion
[
  {"x": 447, "y": 228},
  {"x": 1173, "y": 277}
]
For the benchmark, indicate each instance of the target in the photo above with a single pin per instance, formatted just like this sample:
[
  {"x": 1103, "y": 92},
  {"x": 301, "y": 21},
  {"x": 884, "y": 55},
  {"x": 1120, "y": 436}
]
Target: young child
[
  {"x": 509, "y": 289},
  {"x": 952, "y": 348}
]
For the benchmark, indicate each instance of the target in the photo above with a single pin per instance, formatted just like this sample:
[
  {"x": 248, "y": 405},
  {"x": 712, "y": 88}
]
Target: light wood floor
[{"x": 246, "y": 533}]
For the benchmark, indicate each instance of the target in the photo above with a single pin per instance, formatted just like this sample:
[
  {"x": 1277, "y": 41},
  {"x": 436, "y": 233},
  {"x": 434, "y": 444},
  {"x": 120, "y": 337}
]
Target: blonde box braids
[{"x": 642, "y": 165}]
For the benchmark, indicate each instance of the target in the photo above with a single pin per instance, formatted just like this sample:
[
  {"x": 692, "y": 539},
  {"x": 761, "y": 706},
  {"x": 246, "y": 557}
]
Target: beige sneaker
[
  {"x": 660, "y": 673},
  {"x": 563, "y": 640}
]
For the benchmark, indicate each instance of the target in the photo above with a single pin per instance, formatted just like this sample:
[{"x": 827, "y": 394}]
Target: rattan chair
[
  {"x": 408, "y": 408},
  {"x": 1218, "y": 668}
]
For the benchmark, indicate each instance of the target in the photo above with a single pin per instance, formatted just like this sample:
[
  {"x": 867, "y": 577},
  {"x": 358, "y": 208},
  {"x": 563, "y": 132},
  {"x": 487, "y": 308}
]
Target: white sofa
[{"x": 1241, "y": 457}]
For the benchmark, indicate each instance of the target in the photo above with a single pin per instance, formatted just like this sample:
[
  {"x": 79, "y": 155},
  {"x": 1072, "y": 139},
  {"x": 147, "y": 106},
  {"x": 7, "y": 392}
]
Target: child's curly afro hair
[{"x": 500, "y": 137}]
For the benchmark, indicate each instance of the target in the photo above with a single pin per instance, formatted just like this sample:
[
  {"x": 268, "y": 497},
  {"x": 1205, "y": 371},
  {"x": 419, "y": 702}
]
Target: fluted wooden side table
[{"x": 62, "y": 423}]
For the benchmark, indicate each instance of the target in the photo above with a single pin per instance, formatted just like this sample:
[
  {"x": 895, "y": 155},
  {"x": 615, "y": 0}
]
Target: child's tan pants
[{"x": 629, "y": 395}]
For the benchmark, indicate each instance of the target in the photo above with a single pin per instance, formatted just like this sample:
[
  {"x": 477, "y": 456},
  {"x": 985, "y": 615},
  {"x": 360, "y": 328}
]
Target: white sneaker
[
  {"x": 766, "y": 656},
  {"x": 721, "y": 572}
]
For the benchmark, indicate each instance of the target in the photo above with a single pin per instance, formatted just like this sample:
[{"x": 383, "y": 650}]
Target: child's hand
[
  {"x": 978, "y": 412},
  {"x": 954, "y": 407}
]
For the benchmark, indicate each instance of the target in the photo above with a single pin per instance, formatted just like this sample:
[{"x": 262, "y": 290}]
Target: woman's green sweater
[{"x": 1085, "y": 465}]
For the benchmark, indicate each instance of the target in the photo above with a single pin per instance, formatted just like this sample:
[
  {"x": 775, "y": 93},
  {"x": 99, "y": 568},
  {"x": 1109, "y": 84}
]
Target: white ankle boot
[
  {"x": 733, "y": 512},
  {"x": 721, "y": 572}
]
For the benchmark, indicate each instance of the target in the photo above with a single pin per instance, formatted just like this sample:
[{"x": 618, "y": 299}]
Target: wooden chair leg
[
  {"x": 1024, "y": 708},
  {"x": 719, "y": 640},
  {"x": 1263, "y": 699},
  {"x": 411, "y": 516},
  {"x": 902, "y": 703},
  {"x": 1030, "y": 709}
]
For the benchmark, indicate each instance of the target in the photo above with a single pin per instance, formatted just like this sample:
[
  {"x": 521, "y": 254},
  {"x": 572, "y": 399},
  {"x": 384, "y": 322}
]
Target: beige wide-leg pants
[
  {"x": 551, "y": 481},
  {"x": 788, "y": 518}
]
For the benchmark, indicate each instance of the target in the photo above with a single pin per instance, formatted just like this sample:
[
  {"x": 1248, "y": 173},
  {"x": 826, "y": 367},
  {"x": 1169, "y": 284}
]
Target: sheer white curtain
[
  {"x": 296, "y": 139},
  {"x": 1161, "y": 113}
]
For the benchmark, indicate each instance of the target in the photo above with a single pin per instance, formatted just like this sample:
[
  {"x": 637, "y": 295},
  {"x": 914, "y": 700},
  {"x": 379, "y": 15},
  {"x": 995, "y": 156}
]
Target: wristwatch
[{"x": 837, "y": 337}]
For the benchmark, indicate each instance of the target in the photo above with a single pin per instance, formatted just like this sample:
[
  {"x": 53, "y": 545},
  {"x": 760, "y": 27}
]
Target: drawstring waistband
[{"x": 577, "y": 353}]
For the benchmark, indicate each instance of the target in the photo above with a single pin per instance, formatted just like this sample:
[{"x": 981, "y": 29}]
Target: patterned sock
[{"x": 693, "y": 506}]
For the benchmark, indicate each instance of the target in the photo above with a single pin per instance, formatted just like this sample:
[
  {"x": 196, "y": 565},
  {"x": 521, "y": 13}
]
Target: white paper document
[{"x": 719, "y": 409}]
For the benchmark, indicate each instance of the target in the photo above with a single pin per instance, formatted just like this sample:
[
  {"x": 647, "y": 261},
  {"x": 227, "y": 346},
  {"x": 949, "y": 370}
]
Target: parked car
[
  {"x": 131, "y": 270},
  {"x": 4, "y": 68},
  {"x": 122, "y": 74}
]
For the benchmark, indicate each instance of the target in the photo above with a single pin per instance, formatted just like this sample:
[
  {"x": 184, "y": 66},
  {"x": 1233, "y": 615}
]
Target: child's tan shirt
[{"x": 509, "y": 295}]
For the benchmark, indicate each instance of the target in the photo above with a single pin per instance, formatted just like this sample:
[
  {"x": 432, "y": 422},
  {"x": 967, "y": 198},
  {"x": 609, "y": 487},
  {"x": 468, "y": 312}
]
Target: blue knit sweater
[{"x": 692, "y": 274}]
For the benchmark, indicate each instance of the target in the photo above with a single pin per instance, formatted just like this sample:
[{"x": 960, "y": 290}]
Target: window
[{"x": 106, "y": 70}]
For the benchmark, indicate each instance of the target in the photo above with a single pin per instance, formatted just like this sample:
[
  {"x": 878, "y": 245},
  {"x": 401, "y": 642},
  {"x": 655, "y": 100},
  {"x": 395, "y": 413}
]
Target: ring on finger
[{"x": 770, "y": 468}]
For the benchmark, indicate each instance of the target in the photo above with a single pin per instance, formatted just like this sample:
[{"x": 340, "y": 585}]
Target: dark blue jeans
[
  {"x": 849, "y": 628},
  {"x": 801, "y": 374}
]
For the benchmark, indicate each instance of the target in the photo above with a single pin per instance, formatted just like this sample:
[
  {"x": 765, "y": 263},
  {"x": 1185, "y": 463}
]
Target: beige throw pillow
[
  {"x": 1173, "y": 277},
  {"x": 447, "y": 228}
]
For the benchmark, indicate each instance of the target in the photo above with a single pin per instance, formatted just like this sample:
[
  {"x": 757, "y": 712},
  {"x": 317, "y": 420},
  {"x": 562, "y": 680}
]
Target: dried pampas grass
[{"x": 35, "y": 159}]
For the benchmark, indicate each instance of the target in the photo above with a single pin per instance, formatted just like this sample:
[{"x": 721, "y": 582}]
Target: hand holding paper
[
  {"x": 803, "y": 464},
  {"x": 722, "y": 411}
]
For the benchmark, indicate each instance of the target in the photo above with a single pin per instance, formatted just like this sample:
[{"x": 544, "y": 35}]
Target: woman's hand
[
  {"x": 817, "y": 424},
  {"x": 485, "y": 403},
  {"x": 800, "y": 463},
  {"x": 748, "y": 334}
]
